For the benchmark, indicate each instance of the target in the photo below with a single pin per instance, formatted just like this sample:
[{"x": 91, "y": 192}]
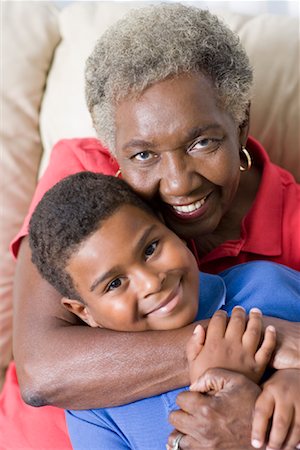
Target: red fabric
[
  {"x": 269, "y": 231},
  {"x": 25, "y": 427}
]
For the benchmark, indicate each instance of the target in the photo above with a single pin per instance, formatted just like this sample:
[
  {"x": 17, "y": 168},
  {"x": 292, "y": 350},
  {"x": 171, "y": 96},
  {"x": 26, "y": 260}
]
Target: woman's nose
[{"x": 177, "y": 177}]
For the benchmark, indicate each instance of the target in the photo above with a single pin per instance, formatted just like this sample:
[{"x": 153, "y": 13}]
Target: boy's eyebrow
[{"x": 117, "y": 269}]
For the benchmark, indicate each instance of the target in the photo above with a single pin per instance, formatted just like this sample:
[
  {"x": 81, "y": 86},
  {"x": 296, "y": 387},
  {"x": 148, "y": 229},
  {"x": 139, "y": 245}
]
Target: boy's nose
[{"x": 149, "y": 282}]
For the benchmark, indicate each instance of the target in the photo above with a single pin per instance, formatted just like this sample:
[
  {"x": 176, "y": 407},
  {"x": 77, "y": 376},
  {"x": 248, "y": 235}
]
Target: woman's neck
[{"x": 230, "y": 226}]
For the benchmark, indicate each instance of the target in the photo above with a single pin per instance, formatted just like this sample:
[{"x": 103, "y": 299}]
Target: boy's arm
[
  {"x": 279, "y": 405},
  {"x": 236, "y": 345}
]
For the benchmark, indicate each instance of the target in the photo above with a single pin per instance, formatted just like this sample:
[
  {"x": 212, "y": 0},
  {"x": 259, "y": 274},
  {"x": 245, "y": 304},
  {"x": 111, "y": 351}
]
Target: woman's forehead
[{"x": 181, "y": 104}]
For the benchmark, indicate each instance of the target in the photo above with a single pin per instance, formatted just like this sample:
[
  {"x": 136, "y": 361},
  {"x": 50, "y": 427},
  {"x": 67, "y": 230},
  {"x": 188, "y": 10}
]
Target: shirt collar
[
  {"x": 266, "y": 212},
  {"x": 212, "y": 295}
]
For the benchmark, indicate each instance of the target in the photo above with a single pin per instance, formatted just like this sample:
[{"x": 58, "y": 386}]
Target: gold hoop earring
[
  {"x": 118, "y": 173},
  {"x": 248, "y": 157}
]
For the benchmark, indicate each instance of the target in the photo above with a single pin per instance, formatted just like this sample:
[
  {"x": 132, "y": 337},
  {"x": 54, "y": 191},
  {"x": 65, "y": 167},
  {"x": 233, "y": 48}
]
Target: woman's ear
[
  {"x": 244, "y": 127},
  {"x": 80, "y": 310}
]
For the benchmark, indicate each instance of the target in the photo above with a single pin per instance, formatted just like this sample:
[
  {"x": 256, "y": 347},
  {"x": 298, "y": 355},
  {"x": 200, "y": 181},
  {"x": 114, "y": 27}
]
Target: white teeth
[{"x": 191, "y": 207}]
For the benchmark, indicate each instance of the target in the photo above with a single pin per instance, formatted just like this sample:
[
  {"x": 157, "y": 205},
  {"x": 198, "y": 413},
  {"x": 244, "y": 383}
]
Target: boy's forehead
[{"x": 128, "y": 220}]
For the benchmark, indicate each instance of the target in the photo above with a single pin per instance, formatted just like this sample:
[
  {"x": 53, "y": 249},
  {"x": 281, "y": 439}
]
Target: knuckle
[{"x": 280, "y": 422}]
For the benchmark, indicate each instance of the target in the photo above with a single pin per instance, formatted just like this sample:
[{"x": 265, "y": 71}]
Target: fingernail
[
  {"x": 256, "y": 443},
  {"x": 256, "y": 310},
  {"x": 197, "y": 329},
  {"x": 192, "y": 386},
  {"x": 239, "y": 307},
  {"x": 271, "y": 328},
  {"x": 298, "y": 446}
]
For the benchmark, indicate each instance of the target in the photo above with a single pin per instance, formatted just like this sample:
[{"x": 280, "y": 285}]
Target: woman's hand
[
  {"x": 287, "y": 353},
  {"x": 278, "y": 406},
  {"x": 219, "y": 421},
  {"x": 233, "y": 345}
]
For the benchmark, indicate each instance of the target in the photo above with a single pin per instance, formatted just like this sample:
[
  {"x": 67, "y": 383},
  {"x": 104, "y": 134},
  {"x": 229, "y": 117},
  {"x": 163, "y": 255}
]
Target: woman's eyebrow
[
  {"x": 193, "y": 133},
  {"x": 138, "y": 143}
]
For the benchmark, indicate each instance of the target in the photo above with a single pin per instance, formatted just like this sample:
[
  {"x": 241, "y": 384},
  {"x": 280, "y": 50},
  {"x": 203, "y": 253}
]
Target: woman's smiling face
[{"x": 178, "y": 147}]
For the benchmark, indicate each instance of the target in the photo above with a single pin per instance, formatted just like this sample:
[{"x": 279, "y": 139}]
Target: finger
[
  {"x": 293, "y": 440},
  {"x": 182, "y": 421},
  {"x": 186, "y": 442},
  {"x": 216, "y": 380},
  {"x": 190, "y": 402},
  {"x": 217, "y": 325},
  {"x": 264, "y": 353},
  {"x": 195, "y": 343},
  {"x": 173, "y": 438},
  {"x": 263, "y": 411},
  {"x": 236, "y": 325},
  {"x": 282, "y": 420},
  {"x": 252, "y": 335}
]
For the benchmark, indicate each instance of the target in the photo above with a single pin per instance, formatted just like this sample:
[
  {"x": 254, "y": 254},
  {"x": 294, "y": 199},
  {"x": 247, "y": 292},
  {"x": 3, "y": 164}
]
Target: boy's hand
[
  {"x": 235, "y": 346},
  {"x": 279, "y": 401}
]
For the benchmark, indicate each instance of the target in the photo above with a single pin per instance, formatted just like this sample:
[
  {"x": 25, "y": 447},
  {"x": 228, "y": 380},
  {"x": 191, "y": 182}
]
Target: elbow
[
  {"x": 33, "y": 397},
  {"x": 35, "y": 389}
]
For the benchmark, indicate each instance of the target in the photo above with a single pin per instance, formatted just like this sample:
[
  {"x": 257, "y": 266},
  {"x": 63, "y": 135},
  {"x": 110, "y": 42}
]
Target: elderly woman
[{"x": 169, "y": 91}]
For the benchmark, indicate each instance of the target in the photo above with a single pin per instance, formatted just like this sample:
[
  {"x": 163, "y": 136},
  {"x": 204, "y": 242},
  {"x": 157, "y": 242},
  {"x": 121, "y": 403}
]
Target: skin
[
  {"x": 176, "y": 145},
  {"x": 86, "y": 375},
  {"x": 151, "y": 283},
  {"x": 234, "y": 346},
  {"x": 201, "y": 414}
]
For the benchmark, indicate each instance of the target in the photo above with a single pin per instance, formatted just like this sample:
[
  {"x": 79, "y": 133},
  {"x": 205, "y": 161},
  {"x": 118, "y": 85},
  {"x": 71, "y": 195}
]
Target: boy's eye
[
  {"x": 114, "y": 284},
  {"x": 151, "y": 249}
]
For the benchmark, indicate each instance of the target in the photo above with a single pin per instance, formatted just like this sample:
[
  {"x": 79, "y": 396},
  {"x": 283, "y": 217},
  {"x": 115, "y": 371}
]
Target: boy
[{"x": 119, "y": 267}]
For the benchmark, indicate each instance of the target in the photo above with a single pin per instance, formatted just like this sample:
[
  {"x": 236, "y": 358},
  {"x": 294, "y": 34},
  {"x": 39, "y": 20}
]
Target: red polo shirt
[{"x": 269, "y": 231}]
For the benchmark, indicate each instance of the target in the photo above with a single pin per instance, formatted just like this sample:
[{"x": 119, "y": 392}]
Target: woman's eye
[
  {"x": 114, "y": 284},
  {"x": 203, "y": 144},
  {"x": 151, "y": 249},
  {"x": 144, "y": 156}
]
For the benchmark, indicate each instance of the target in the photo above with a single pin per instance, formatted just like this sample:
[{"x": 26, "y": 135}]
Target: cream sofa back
[
  {"x": 42, "y": 97},
  {"x": 272, "y": 44}
]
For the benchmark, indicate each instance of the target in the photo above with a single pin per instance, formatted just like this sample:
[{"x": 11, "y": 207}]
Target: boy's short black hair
[{"x": 68, "y": 213}]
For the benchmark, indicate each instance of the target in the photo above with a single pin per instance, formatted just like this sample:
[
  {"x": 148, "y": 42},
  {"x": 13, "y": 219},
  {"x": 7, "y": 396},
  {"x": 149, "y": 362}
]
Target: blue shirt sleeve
[
  {"x": 90, "y": 431},
  {"x": 273, "y": 288}
]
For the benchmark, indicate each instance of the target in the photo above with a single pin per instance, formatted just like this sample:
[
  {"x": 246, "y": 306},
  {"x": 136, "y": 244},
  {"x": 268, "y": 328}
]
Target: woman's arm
[
  {"x": 67, "y": 364},
  {"x": 63, "y": 363}
]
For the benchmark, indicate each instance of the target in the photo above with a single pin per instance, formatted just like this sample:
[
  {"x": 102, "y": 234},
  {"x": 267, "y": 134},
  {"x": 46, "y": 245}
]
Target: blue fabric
[{"x": 143, "y": 425}]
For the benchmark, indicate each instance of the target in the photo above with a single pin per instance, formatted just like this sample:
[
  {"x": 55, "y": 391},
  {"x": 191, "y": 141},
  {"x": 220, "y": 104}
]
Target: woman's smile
[{"x": 176, "y": 145}]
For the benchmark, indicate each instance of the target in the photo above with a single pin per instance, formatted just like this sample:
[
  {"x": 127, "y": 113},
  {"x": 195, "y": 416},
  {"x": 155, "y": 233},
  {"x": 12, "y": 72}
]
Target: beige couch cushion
[
  {"x": 272, "y": 43},
  {"x": 30, "y": 34}
]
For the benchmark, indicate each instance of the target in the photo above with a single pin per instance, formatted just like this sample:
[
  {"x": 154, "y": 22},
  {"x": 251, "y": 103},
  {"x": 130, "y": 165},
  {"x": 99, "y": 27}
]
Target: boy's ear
[{"x": 80, "y": 310}]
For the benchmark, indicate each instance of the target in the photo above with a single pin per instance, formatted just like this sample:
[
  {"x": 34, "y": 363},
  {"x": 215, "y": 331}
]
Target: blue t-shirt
[{"x": 143, "y": 424}]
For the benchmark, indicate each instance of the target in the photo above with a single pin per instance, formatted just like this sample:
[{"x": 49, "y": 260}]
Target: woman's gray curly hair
[{"x": 161, "y": 41}]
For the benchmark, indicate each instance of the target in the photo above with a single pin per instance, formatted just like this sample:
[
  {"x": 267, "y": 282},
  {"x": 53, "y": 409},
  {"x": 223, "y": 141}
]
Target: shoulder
[{"x": 83, "y": 154}]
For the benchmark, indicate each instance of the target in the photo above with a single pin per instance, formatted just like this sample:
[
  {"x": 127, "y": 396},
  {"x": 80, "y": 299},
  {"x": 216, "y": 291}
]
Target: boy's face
[{"x": 134, "y": 274}]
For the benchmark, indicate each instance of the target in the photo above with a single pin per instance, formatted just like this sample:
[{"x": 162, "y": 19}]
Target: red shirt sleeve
[{"x": 68, "y": 156}]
